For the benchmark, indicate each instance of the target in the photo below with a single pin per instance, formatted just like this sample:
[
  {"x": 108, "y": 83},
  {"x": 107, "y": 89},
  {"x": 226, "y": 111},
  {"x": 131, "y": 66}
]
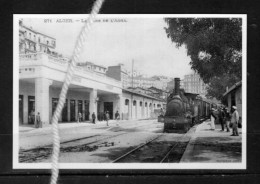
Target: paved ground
[
  {"x": 213, "y": 146},
  {"x": 205, "y": 146},
  {"x": 30, "y": 137}
]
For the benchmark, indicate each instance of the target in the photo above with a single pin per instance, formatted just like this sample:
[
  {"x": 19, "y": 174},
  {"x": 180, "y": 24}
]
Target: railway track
[
  {"x": 47, "y": 150},
  {"x": 127, "y": 157},
  {"x": 166, "y": 157},
  {"x": 44, "y": 152}
]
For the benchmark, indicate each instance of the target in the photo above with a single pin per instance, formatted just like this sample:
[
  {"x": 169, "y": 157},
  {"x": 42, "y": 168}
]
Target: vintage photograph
[{"x": 149, "y": 92}]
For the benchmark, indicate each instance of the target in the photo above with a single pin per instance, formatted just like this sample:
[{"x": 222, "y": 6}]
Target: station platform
[{"x": 213, "y": 146}]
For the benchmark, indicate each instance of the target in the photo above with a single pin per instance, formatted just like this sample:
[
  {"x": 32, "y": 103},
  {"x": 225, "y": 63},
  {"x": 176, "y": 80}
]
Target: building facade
[
  {"x": 32, "y": 41},
  {"x": 41, "y": 76},
  {"x": 233, "y": 97},
  {"x": 119, "y": 72},
  {"x": 194, "y": 84}
]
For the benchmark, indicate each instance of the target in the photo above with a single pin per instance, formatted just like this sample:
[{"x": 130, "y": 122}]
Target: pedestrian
[
  {"x": 104, "y": 116},
  {"x": 117, "y": 116},
  {"x": 227, "y": 119},
  {"x": 212, "y": 118},
  {"x": 234, "y": 120},
  {"x": 79, "y": 117},
  {"x": 93, "y": 118},
  {"x": 107, "y": 117},
  {"x": 220, "y": 117},
  {"x": 32, "y": 117},
  {"x": 38, "y": 120}
]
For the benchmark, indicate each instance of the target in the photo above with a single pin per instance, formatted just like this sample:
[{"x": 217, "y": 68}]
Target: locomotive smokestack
[{"x": 177, "y": 86}]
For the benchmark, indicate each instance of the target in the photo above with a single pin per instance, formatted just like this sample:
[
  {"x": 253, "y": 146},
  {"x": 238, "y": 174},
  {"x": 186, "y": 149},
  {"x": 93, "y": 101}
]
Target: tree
[
  {"x": 217, "y": 85},
  {"x": 214, "y": 45}
]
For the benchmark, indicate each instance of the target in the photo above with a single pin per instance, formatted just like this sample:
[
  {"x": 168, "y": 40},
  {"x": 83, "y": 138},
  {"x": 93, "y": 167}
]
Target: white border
[{"x": 17, "y": 165}]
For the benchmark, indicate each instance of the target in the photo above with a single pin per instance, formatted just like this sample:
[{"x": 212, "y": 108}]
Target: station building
[
  {"x": 233, "y": 97},
  {"x": 41, "y": 76}
]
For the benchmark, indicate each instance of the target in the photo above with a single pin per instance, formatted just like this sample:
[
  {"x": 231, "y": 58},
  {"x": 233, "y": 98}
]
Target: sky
[{"x": 142, "y": 40}]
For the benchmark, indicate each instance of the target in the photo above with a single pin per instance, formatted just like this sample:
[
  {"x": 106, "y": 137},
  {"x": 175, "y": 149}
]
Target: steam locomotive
[{"x": 183, "y": 110}]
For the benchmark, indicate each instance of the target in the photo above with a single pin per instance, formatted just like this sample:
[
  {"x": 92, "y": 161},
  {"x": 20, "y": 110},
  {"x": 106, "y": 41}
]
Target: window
[
  {"x": 47, "y": 42},
  {"x": 141, "y": 104},
  {"x": 39, "y": 39},
  {"x": 145, "y": 104},
  {"x": 126, "y": 102},
  {"x": 134, "y": 103}
]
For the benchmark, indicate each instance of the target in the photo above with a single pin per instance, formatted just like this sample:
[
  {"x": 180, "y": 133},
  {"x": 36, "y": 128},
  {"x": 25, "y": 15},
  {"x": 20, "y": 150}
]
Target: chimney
[{"x": 177, "y": 86}]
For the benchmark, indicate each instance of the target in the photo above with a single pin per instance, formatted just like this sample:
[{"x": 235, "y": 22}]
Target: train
[{"x": 184, "y": 110}]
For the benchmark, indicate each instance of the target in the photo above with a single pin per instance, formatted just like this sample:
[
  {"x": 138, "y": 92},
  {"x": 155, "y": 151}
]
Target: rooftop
[
  {"x": 235, "y": 86},
  {"x": 31, "y": 29}
]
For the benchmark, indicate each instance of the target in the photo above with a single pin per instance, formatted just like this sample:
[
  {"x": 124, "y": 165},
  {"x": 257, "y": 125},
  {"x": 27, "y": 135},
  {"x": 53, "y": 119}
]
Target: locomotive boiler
[{"x": 179, "y": 110}]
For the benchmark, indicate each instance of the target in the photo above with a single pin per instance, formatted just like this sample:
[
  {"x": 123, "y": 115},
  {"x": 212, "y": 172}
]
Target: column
[
  {"x": 68, "y": 109},
  {"x": 42, "y": 99},
  {"x": 76, "y": 109},
  {"x": 130, "y": 116},
  {"x": 93, "y": 102},
  {"x": 83, "y": 109},
  {"x": 25, "y": 109},
  {"x": 119, "y": 105}
]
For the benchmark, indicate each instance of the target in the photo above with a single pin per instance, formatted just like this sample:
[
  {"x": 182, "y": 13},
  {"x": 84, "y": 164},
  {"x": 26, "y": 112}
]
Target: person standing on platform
[
  {"x": 234, "y": 120},
  {"x": 38, "y": 120},
  {"x": 107, "y": 117},
  {"x": 212, "y": 118},
  {"x": 93, "y": 118},
  {"x": 79, "y": 117},
  {"x": 117, "y": 116},
  {"x": 226, "y": 118},
  {"x": 220, "y": 117}
]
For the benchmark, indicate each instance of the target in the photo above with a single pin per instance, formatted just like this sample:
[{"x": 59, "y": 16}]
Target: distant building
[
  {"x": 32, "y": 41},
  {"x": 142, "y": 82},
  {"x": 119, "y": 73},
  {"x": 194, "y": 84},
  {"x": 159, "y": 93},
  {"x": 93, "y": 67},
  {"x": 171, "y": 85}
]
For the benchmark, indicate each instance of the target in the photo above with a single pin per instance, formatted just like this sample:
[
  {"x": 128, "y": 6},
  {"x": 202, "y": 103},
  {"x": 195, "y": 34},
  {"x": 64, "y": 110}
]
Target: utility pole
[
  {"x": 132, "y": 73},
  {"x": 132, "y": 88}
]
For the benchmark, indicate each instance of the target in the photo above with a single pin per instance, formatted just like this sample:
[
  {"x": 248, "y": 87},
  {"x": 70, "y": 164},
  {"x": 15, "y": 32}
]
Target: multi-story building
[
  {"x": 142, "y": 82},
  {"x": 194, "y": 84},
  {"x": 31, "y": 41}
]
